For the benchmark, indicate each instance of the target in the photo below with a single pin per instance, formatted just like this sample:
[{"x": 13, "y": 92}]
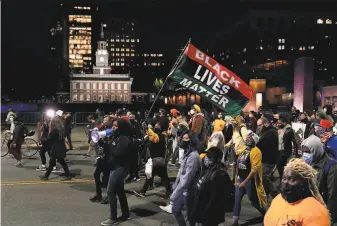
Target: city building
[
  {"x": 101, "y": 86},
  {"x": 266, "y": 44},
  {"x": 80, "y": 38}
]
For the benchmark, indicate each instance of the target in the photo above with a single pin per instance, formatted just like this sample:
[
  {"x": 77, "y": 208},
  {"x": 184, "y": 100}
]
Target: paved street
[{"x": 28, "y": 201}]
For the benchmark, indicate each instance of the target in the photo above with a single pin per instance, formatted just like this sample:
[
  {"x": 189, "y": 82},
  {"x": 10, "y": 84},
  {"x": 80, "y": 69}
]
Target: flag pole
[{"x": 173, "y": 68}]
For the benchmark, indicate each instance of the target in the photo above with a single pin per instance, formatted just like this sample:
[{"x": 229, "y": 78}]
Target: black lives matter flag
[{"x": 204, "y": 76}]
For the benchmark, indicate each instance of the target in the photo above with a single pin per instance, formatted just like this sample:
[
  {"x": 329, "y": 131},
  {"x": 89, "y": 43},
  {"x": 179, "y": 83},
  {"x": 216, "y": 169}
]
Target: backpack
[
  {"x": 323, "y": 184},
  {"x": 330, "y": 147},
  {"x": 24, "y": 130}
]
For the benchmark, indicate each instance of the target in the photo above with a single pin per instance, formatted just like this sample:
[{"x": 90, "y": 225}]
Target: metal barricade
[
  {"x": 27, "y": 118},
  {"x": 81, "y": 118}
]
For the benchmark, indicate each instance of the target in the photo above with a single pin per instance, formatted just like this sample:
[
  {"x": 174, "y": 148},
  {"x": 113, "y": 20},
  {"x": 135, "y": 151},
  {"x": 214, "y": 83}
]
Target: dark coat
[
  {"x": 268, "y": 144},
  {"x": 119, "y": 152},
  {"x": 328, "y": 185},
  {"x": 56, "y": 142},
  {"x": 214, "y": 189}
]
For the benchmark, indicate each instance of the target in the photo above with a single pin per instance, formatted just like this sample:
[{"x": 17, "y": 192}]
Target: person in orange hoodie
[
  {"x": 300, "y": 202},
  {"x": 197, "y": 125}
]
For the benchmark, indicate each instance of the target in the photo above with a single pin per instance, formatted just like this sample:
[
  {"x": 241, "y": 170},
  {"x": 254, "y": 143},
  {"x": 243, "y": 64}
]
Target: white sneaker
[
  {"x": 55, "y": 170},
  {"x": 167, "y": 209},
  {"x": 18, "y": 164}
]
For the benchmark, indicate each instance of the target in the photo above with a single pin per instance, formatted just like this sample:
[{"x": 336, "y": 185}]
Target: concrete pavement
[{"x": 28, "y": 201}]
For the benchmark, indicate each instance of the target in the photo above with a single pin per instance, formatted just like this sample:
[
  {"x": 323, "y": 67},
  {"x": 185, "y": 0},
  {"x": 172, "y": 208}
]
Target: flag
[{"x": 204, "y": 76}]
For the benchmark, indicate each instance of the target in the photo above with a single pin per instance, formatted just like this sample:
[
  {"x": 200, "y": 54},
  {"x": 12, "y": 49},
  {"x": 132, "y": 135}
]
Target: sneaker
[
  {"x": 167, "y": 209},
  {"x": 44, "y": 178},
  {"x": 18, "y": 164},
  {"x": 105, "y": 200},
  {"x": 123, "y": 218},
  {"x": 140, "y": 194},
  {"x": 41, "y": 168},
  {"x": 109, "y": 222},
  {"x": 96, "y": 198},
  {"x": 56, "y": 170}
]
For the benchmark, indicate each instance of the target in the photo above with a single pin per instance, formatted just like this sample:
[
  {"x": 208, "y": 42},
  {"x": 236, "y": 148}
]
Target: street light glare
[{"x": 50, "y": 113}]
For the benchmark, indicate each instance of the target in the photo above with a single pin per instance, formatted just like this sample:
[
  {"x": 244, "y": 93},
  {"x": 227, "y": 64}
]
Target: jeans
[
  {"x": 268, "y": 185},
  {"x": 177, "y": 208},
  {"x": 52, "y": 163},
  {"x": 161, "y": 171},
  {"x": 102, "y": 167},
  {"x": 116, "y": 187},
  {"x": 250, "y": 190}
]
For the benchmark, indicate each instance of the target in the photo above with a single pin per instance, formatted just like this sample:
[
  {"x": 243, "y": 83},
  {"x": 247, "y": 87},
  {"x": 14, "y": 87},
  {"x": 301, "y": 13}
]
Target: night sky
[{"x": 25, "y": 35}]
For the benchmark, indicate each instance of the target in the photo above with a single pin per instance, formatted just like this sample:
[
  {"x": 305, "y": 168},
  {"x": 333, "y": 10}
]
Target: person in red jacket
[{"x": 197, "y": 125}]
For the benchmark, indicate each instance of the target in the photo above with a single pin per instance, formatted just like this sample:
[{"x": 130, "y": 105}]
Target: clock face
[{"x": 101, "y": 59}]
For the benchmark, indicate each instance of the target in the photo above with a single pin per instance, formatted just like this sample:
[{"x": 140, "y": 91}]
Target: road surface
[{"x": 28, "y": 201}]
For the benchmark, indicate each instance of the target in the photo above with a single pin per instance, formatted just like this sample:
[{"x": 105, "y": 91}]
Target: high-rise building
[
  {"x": 80, "y": 38},
  {"x": 123, "y": 39},
  {"x": 265, "y": 44}
]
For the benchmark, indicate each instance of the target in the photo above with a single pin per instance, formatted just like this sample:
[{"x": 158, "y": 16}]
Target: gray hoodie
[
  {"x": 327, "y": 183},
  {"x": 314, "y": 144}
]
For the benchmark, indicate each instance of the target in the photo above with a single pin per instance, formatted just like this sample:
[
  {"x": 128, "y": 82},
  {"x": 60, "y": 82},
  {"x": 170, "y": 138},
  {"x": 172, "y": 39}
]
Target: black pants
[
  {"x": 134, "y": 165},
  {"x": 102, "y": 167},
  {"x": 52, "y": 163},
  {"x": 160, "y": 171},
  {"x": 68, "y": 136},
  {"x": 44, "y": 149},
  {"x": 281, "y": 162}
]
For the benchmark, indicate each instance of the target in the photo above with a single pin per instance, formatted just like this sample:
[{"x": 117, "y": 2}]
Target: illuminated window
[
  {"x": 281, "y": 40},
  {"x": 117, "y": 39},
  {"x": 119, "y": 86},
  {"x": 328, "y": 21},
  {"x": 144, "y": 63},
  {"x": 281, "y": 47},
  {"x": 117, "y": 64},
  {"x": 112, "y": 85},
  {"x": 302, "y": 48},
  {"x": 122, "y": 49},
  {"x": 261, "y": 47},
  {"x": 122, "y": 64},
  {"x": 88, "y": 97},
  {"x": 88, "y": 85},
  {"x": 132, "y": 54},
  {"x": 112, "y": 64},
  {"x": 132, "y": 40},
  {"x": 81, "y": 97},
  {"x": 320, "y": 21},
  {"x": 75, "y": 97},
  {"x": 311, "y": 47},
  {"x": 244, "y": 62},
  {"x": 137, "y": 40},
  {"x": 122, "y": 40},
  {"x": 127, "y": 50},
  {"x": 106, "y": 86}
]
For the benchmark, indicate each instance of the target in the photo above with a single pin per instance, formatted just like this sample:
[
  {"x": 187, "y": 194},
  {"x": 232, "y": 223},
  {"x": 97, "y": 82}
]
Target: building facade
[{"x": 101, "y": 86}]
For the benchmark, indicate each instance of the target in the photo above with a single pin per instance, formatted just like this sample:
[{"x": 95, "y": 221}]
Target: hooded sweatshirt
[{"x": 327, "y": 183}]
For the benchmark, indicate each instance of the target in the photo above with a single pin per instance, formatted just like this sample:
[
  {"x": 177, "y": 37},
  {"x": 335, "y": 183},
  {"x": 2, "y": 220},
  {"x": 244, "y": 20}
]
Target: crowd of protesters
[{"x": 220, "y": 159}]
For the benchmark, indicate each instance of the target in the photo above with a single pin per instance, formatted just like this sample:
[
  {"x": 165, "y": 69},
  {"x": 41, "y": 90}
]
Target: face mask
[
  {"x": 132, "y": 120},
  {"x": 307, "y": 157},
  {"x": 185, "y": 144},
  {"x": 192, "y": 111},
  {"x": 208, "y": 163},
  {"x": 156, "y": 130},
  {"x": 293, "y": 193}
]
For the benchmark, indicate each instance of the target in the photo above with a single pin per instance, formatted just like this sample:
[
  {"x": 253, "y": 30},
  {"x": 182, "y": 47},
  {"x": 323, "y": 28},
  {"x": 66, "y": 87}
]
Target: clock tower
[{"x": 102, "y": 56}]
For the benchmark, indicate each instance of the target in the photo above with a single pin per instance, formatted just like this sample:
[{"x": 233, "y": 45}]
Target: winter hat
[
  {"x": 251, "y": 139},
  {"x": 197, "y": 108},
  {"x": 326, "y": 124}
]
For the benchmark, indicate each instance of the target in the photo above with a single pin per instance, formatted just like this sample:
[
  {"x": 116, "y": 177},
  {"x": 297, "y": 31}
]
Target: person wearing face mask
[
  {"x": 157, "y": 150},
  {"x": 286, "y": 143},
  {"x": 299, "y": 202},
  {"x": 119, "y": 152},
  {"x": 184, "y": 188},
  {"x": 268, "y": 144},
  {"x": 213, "y": 190},
  {"x": 136, "y": 136},
  {"x": 198, "y": 125},
  {"x": 314, "y": 155},
  {"x": 248, "y": 177}
]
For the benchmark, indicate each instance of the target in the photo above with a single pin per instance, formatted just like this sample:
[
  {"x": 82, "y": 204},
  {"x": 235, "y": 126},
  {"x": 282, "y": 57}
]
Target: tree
[{"x": 158, "y": 83}]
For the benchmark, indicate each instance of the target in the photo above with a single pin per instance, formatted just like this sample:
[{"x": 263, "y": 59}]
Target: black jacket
[
  {"x": 158, "y": 149},
  {"x": 328, "y": 185},
  {"x": 119, "y": 152},
  {"x": 18, "y": 133},
  {"x": 228, "y": 133},
  {"x": 56, "y": 142},
  {"x": 289, "y": 141},
  {"x": 214, "y": 189},
  {"x": 268, "y": 144}
]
